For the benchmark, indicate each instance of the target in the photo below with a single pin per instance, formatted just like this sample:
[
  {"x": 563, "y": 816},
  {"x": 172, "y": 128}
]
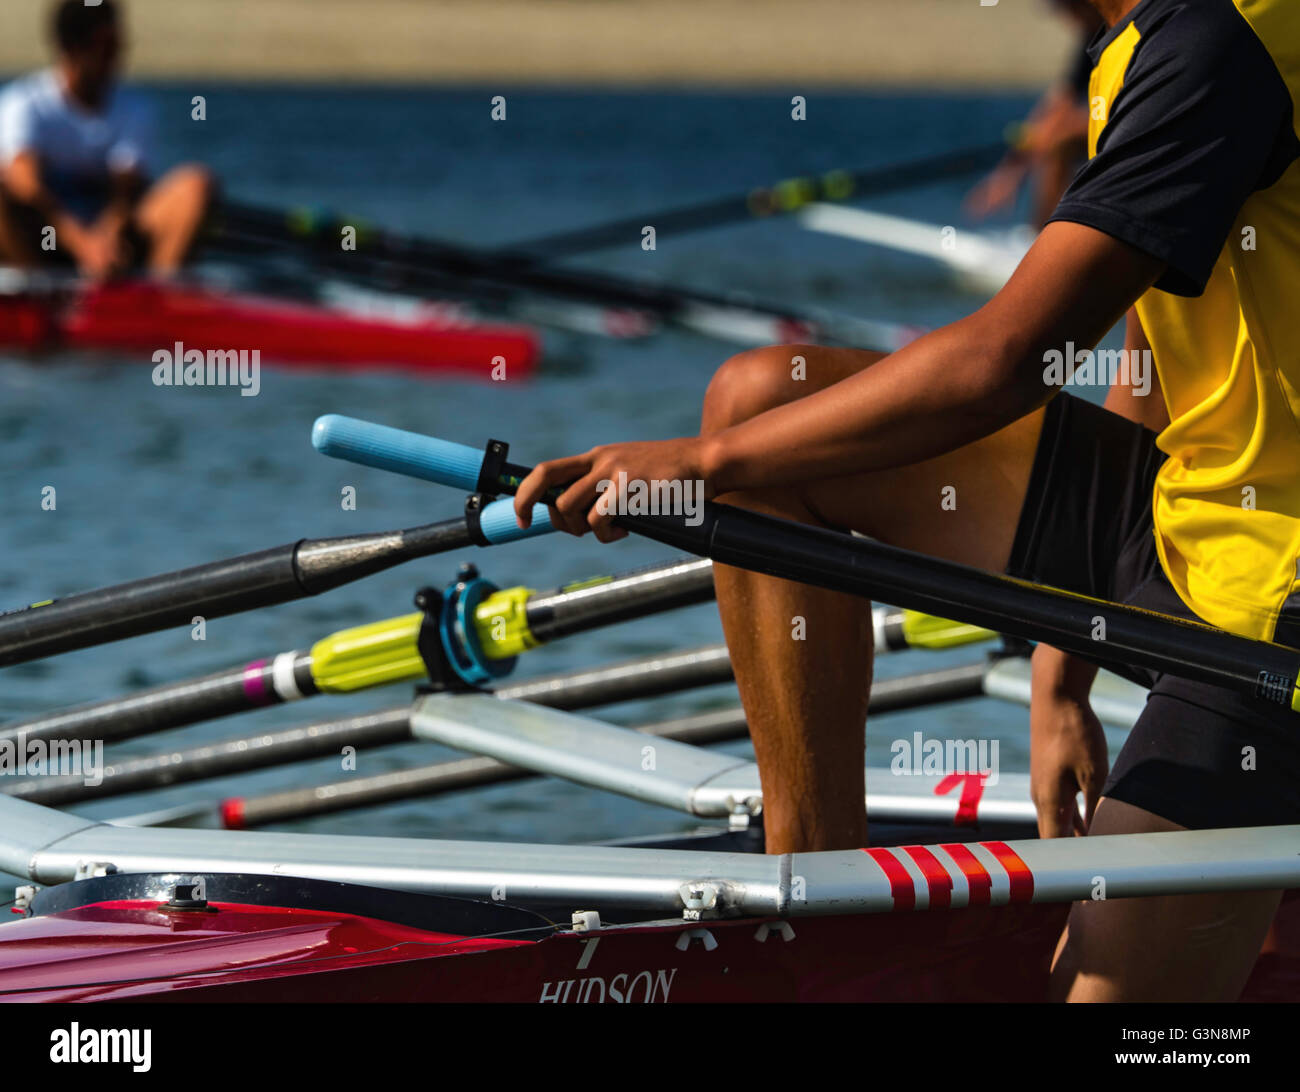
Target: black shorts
[{"x": 1199, "y": 755}]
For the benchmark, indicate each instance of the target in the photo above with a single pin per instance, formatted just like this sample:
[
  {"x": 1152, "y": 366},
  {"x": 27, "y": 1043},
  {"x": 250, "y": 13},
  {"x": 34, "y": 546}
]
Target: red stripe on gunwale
[
  {"x": 1022, "y": 879},
  {"x": 977, "y": 876},
  {"x": 901, "y": 887},
  {"x": 936, "y": 876}
]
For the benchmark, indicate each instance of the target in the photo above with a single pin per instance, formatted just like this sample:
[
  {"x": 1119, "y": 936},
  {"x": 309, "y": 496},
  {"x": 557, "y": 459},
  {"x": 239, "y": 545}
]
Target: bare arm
[
  {"x": 24, "y": 181},
  {"x": 97, "y": 247},
  {"x": 943, "y": 391},
  {"x": 1057, "y": 126},
  {"x": 125, "y": 189},
  {"x": 951, "y": 387}
]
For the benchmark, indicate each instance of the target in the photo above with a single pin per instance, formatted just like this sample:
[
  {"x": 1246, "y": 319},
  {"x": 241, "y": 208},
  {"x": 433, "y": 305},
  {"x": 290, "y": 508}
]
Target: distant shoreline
[{"x": 787, "y": 45}]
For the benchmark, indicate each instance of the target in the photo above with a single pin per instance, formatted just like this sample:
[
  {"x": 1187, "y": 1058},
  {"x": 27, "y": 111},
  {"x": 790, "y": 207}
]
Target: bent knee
[
  {"x": 758, "y": 380},
  {"x": 753, "y": 382},
  {"x": 195, "y": 180}
]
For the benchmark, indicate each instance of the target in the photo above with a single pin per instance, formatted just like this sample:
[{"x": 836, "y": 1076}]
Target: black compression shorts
[{"x": 1200, "y": 756}]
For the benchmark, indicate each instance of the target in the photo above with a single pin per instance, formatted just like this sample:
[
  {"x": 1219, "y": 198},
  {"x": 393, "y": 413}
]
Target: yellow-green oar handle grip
[
  {"x": 371, "y": 655},
  {"x": 501, "y": 622},
  {"x": 385, "y": 652}
]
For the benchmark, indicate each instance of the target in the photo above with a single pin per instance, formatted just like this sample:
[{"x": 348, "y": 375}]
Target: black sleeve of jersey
[{"x": 1203, "y": 120}]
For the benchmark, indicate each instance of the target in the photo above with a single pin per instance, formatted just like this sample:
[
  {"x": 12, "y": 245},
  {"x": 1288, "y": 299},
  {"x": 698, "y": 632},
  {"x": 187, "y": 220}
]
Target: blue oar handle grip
[
  {"x": 497, "y": 524},
  {"x": 428, "y": 458},
  {"x": 397, "y": 450}
]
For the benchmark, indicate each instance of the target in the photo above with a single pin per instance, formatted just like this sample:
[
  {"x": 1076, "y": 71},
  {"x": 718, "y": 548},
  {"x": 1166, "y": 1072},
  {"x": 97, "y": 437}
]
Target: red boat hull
[
  {"x": 133, "y": 317},
  {"x": 123, "y": 951}
]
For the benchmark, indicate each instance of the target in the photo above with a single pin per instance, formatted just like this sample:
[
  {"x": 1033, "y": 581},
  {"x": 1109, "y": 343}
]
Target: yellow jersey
[{"x": 1195, "y": 158}]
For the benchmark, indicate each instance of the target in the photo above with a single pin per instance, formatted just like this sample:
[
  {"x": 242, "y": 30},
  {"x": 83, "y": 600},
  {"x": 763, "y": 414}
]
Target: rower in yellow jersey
[{"x": 962, "y": 445}]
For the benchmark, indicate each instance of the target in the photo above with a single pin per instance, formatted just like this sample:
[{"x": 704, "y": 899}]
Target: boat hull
[
  {"x": 142, "y": 318},
  {"x": 135, "y": 951}
]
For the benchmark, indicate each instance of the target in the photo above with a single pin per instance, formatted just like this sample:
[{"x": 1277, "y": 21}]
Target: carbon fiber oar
[
  {"x": 908, "y": 692},
  {"x": 505, "y": 623},
  {"x": 787, "y": 196},
  {"x": 1095, "y": 629},
  {"x": 627, "y": 680},
  {"x": 414, "y": 264},
  {"x": 294, "y": 571}
]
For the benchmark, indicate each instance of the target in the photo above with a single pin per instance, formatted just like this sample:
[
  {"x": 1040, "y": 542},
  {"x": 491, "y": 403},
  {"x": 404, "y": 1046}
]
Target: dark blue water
[{"x": 152, "y": 479}]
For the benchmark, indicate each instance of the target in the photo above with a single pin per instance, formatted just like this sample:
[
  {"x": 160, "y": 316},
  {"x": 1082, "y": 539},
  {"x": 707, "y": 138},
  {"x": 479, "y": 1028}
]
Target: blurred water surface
[{"x": 153, "y": 479}]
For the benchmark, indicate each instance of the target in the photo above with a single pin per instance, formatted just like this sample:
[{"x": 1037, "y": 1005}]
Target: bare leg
[
  {"x": 171, "y": 214},
  {"x": 1168, "y": 948},
  {"x": 803, "y": 655}
]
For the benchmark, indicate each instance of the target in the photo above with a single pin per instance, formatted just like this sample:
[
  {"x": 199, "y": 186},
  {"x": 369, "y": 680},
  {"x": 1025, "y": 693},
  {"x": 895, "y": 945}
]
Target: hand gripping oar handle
[
  {"x": 870, "y": 569},
  {"x": 497, "y": 523},
  {"x": 433, "y": 460}
]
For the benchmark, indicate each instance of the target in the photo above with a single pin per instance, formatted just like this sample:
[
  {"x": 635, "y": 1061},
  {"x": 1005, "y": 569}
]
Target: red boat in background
[{"x": 139, "y": 317}]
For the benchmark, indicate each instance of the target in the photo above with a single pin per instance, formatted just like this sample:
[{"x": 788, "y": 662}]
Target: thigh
[
  {"x": 1166, "y": 948},
  {"x": 176, "y": 193},
  {"x": 962, "y": 506}
]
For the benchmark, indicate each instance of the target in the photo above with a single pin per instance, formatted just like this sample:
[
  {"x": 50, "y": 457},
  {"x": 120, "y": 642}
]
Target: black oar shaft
[
  {"x": 261, "y": 579},
  {"x": 1095, "y": 629},
  {"x": 327, "y": 563},
  {"x": 787, "y": 196},
  {"x": 408, "y": 262},
  {"x": 627, "y": 680},
  {"x": 575, "y": 609},
  {"x": 221, "y": 759},
  {"x": 154, "y": 603},
  {"x": 551, "y": 615},
  {"x": 1110, "y": 633},
  {"x": 170, "y": 705}
]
